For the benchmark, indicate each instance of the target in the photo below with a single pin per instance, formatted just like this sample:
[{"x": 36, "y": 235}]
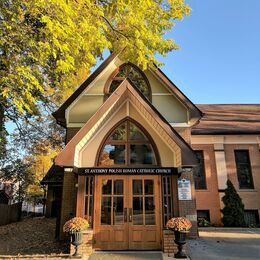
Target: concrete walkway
[
  {"x": 225, "y": 244},
  {"x": 127, "y": 255},
  {"x": 132, "y": 255}
]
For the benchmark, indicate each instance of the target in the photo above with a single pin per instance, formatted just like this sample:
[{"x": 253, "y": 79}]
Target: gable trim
[
  {"x": 122, "y": 92},
  {"x": 59, "y": 114}
]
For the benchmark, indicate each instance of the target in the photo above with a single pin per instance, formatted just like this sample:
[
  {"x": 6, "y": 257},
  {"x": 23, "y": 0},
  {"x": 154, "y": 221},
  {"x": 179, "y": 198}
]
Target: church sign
[
  {"x": 126, "y": 171},
  {"x": 184, "y": 189}
]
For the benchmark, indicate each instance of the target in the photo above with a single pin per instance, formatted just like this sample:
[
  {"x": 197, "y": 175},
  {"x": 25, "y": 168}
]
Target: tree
[
  {"x": 47, "y": 48},
  {"x": 17, "y": 171},
  {"x": 29, "y": 157},
  {"x": 46, "y": 44},
  {"x": 233, "y": 211}
]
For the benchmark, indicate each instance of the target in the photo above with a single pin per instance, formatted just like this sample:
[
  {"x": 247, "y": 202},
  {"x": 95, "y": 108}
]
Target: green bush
[{"x": 233, "y": 211}]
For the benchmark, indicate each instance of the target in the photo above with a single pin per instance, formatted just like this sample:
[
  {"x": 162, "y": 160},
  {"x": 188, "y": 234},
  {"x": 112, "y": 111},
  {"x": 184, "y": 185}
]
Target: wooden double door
[{"x": 127, "y": 213}]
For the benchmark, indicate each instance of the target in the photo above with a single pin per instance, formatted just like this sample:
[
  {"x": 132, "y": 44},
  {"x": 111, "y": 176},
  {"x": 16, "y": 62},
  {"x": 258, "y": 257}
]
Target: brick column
[
  {"x": 68, "y": 204},
  {"x": 187, "y": 208}
]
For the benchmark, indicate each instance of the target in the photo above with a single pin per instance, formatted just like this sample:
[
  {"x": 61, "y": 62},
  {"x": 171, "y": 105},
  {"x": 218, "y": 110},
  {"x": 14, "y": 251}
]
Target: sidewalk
[
  {"x": 225, "y": 244},
  {"x": 132, "y": 255}
]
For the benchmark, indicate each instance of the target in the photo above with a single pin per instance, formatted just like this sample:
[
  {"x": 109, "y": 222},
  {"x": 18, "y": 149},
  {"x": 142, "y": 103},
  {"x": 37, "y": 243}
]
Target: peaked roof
[
  {"x": 124, "y": 91},
  {"x": 229, "y": 119},
  {"x": 59, "y": 115},
  {"x": 54, "y": 175}
]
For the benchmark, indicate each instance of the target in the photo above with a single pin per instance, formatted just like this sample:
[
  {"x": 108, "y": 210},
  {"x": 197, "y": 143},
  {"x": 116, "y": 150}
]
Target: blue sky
[{"x": 219, "y": 58}]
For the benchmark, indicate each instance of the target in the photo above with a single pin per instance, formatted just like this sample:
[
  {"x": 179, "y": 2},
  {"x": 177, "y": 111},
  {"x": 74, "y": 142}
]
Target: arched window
[
  {"x": 126, "y": 145},
  {"x": 133, "y": 74}
]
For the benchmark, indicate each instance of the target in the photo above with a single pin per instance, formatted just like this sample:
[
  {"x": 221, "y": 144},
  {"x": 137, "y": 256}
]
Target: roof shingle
[{"x": 229, "y": 119}]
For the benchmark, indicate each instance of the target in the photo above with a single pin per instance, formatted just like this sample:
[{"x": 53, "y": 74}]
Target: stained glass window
[
  {"x": 127, "y": 145},
  {"x": 135, "y": 76}
]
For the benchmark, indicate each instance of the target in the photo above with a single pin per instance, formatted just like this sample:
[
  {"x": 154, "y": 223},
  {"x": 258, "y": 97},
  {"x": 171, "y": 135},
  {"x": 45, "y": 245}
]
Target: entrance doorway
[{"x": 127, "y": 213}]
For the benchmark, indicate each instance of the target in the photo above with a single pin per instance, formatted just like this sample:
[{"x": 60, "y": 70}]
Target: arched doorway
[{"x": 127, "y": 207}]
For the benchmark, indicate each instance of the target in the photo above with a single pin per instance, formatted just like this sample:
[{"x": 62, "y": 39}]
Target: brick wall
[
  {"x": 208, "y": 199},
  {"x": 71, "y": 131},
  {"x": 185, "y": 133},
  {"x": 250, "y": 197},
  {"x": 68, "y": 204},
  {"x": 187, "y": 208}
]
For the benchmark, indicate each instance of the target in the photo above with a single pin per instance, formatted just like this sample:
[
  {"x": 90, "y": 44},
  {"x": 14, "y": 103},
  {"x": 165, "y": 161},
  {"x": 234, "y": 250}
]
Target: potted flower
[
  {"x": 181, "y": 227},
  {"x": 74, "y": 227}
]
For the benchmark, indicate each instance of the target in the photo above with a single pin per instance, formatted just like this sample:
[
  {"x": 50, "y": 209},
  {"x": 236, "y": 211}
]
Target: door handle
[
  {"x": 130, "y": 215},
  {"x": 125, "y": 214}
]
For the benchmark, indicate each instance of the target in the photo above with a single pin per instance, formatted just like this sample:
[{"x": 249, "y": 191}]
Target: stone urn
[
  {"x": 180, "y": 240},
  {"x": 76, "y": 240}
]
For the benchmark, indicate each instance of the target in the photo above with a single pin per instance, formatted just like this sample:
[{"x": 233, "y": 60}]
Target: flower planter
[
  {"x": 76, "y": 240},
  {"x": 180, "y": 240}
]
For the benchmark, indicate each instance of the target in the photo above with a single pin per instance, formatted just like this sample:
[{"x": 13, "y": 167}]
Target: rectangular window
[
  {"x": 244, "y": 173},
  {"x": 251, "y": 217},
  {"x": 203, "y": 217},
  {"x": 89, "y": 199},
  {"x": 167, "y": 199},
  {"x": 199, "y": 172}
]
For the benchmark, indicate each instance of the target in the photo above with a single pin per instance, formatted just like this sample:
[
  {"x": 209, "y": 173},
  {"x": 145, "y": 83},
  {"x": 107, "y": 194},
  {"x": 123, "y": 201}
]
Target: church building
[{"x": 139, "y": 152}]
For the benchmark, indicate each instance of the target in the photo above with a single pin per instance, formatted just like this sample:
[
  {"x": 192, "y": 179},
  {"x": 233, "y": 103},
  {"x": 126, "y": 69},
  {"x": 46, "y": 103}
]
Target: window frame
[
  {"x": 254, "y": 212},
  {"x": 206, "y": 212},
  {"x": 243, "y": 187},
  {"x": 89, "y": 197},
  {"x": 168, "y": 195},
  {"x": 204, "y": 171},
  {"x": 113, "y": 77},
  {"x": 127, "y": 143}
]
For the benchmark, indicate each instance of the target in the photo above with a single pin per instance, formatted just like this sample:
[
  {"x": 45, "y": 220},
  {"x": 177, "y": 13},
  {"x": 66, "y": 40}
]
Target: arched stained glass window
[
  {"x": 134, "y": 75},
  {"x": 127, "y": 144}
]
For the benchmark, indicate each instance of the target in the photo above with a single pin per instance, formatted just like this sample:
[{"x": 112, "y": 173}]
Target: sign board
[
  {"x": 126, "y": 171},
  {"x": 184, "y": 189}
]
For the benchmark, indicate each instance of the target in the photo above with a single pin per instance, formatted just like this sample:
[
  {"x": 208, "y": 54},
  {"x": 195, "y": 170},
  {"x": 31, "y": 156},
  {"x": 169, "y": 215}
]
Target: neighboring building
[
  {"x": 128, "y": 153},
  {"x": 227, "y": 143},
  {"x": 6, "y": 192}
]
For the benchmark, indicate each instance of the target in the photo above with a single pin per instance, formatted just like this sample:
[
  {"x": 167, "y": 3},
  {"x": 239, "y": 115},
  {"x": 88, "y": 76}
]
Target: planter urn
[
  {"x": 76, "y": 240},
  {"x": 180, "y": 240}
]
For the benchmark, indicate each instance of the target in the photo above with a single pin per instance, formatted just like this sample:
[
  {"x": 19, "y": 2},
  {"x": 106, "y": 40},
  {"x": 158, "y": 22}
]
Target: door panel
[
  {"x": 144, "y": 229},
  {"x": 127, "y": 213},
  {"x": 110, "y": 227}
]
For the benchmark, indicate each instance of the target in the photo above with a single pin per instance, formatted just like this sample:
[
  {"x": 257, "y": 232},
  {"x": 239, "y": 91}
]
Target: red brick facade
[{"x": 210, "y": 198}]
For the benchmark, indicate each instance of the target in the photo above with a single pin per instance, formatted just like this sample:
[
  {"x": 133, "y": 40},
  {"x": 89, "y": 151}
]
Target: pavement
[
  {"x": 33, "y": 239},
  {"x": 131, "y": 255},
  {"x": 213, "y": 243},
  {"x": 225, "y": 244}
]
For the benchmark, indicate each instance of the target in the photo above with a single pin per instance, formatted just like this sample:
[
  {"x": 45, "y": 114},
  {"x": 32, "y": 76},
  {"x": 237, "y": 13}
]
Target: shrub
[{"x": 233, "y": 211}]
